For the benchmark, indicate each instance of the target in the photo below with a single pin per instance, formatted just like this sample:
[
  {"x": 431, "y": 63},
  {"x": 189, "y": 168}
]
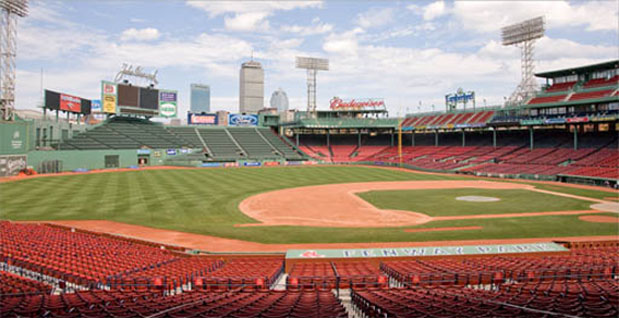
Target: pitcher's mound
[{"x": 477, "y": 198}]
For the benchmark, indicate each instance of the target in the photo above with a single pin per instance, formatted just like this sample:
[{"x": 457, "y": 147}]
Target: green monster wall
[{"x": 95, "y": 159}]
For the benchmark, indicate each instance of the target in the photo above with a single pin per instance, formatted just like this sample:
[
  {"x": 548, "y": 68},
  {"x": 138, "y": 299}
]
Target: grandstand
[
  {"x": 218, "y": 143},
  {"x": 566, "y": 132},
  {"x": 57, "y": 271}
]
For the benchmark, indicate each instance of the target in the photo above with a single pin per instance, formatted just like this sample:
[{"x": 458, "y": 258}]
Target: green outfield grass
[
  {"x": 205, "y": 201},
  {"x": 442, "y": 202}
]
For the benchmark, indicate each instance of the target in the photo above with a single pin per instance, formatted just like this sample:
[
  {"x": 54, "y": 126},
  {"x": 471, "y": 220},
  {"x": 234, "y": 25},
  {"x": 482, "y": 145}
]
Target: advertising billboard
[
  {"x": 108, "y": 97},
  {"x": 95, "y": 106},
  {"x": 128, "y": 95},
  {"x": 12, "y": 165},
  {"x": 70, "y": 103},
  {"x": 242, "y": 120},
  {"x": 338, "y": 103},
  {"x": 201, "y": 119},
  {"x": 168, "y": 103}
]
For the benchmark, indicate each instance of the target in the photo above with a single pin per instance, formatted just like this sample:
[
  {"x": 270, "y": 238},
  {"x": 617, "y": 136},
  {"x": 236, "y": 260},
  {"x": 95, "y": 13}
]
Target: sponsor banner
[
  {"x": 554, "y": 121},
  {"x": 168, "y": 103},
  {"x": 211, "y": 164},
  {"x": 531, "y": 122},
  {"x": 202, "y": 119},
  {"x": 171, "y": 152},
  {"x": 427, "y": 251},
  {"x": 379, "y": 163},
  {"x": 95, "y": 106},
  {"x": 252, "y": 164},
  {"x": 242, "y": 120},
  {"x": 477, "y": 125},
  {"x": 578, "y": 120},
  {"x": 450, "y": 126},
  {"x": 310, "y": 163},
  {"x": 70, "y": 103},
  {"x": 603, "y": 118},
  {"x": 143, "y": 151},
  {"x": 271, "y": 163},
  {"x": 462, "y": 126},
  {"x": 12, "y": 165},
  {"x": 183, "y": 150},
  {"x": 338, "y": 103},
  {"x": 231, "y": 165},
  {"x": 109, "y": 104},
  {"x": 294, "y": 163},
  {"x": 407, "y": 128},
  {"x": 109, "y": 98}
]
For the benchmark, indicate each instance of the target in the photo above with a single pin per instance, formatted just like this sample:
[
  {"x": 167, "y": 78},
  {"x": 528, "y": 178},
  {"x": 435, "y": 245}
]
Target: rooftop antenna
[
  {"x": 10, "y": 11},
  {"x": 312, "y": 65},
  {"x": 524, "y": 34}
]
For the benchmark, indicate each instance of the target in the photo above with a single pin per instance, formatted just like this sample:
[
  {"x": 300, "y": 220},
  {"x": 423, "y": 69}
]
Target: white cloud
[
  {"x": 252, "y": 21},
  {"x": 249, "y": 15},
  {"x": 317, "y": 27},
  {"x": 434, "y": 10},
  {"x": 342, "y": 43},
  {"x": 490, "y": 16},
  {"x": 146, "y": 34},
  {"x": 375, "y": 18},
  {"x": 215, "y": 8}
]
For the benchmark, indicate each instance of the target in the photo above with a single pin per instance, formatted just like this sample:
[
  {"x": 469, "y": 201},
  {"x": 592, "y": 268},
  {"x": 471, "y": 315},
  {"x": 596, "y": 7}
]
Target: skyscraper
[
  {"x": 251, "y": 95},
  {"x": 200, "y": 98},
  {"x": 279, "y": 100}
]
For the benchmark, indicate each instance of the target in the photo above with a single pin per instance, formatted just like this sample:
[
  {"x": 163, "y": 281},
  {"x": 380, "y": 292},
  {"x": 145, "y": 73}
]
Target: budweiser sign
[{"x": 338, "y": 103}]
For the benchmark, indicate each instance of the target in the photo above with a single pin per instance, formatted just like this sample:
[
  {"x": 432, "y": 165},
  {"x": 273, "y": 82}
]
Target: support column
[
  {"x": 328, "y": 138},
  {"x": 436, "y": 138},
  {"x": 463, "y": 139},
  {"x": 392, "y": 139},
  {"x": 531, "y": 138},
  {"x": 575, "y": 137},
  {"x": 359, "y": 139},
  {"x": 412, "y": 138},
  {"x": 297, "y": 137},
  {"x": 494, "y": 138}
]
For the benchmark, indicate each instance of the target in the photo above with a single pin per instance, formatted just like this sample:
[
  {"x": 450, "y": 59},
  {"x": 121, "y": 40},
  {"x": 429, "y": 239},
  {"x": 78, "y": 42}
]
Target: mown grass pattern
[
  {"x": 443, "y": 202},
  {"x": 205, "y": 201}
]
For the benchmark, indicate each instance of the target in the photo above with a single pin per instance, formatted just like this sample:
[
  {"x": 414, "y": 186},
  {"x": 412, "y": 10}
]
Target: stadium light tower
[
  {"x": 11, "y": 10},
  {"x": 524, "y": 34},
  {"x": 312, "y": 64}
]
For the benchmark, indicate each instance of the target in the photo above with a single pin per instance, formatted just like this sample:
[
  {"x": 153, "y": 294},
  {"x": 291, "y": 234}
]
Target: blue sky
[{"x": 404, "y": 51}]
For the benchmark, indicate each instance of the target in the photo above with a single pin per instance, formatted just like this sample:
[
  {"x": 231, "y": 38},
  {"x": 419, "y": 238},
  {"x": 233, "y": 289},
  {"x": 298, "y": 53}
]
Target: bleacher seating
[
  {"x": 338, "y": 274},
  {"x": 591, "y": 94},
  {"x": 559, "y": 87},
  {"x": 599, "y": 82},
  {"x": 220, "y": 142},
  {"x": 244, "y": 272},
  {"x": 443, "y": 120},
  {"x": 188, "y": 304},
  {"x": 253, "y": 143},
  {"x": 547, "y": 99},
  {"x": 536, "y": 299},
  {"x": 279, "y": 144},
  {"x": 341, "y": 153},
  {"x": 14, "y": 284}
]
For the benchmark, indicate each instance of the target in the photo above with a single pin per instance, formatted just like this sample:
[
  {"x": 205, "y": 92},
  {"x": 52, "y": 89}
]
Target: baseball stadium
[{"x": 470, "y": 211}]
